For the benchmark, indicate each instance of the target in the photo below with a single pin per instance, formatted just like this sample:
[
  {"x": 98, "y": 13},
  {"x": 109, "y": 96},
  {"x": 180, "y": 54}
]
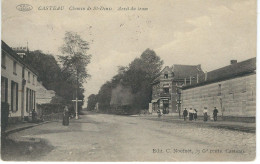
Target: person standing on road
[
  {"x": 215, "y": 114},
  {"x": 205, "y": 114},
  {"x": 185, "y": 114},
  {"x": 190, "y": 114},
  {"x": 65, "y": 121},
  {"x": 195, "y": 114},
  {"x": 159, "y": 113}
]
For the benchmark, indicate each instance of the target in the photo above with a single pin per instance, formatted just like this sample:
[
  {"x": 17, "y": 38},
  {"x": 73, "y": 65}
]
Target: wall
[
  {"x": 238, "y": 97},
  {"x": 43, "y": 96},
  {"x": 8, "y": 73}
]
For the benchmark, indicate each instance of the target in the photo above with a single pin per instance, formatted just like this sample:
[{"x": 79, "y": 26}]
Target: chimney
[
  {"x": 233, "y": 62},
  {"x": 199, "y": 67}
]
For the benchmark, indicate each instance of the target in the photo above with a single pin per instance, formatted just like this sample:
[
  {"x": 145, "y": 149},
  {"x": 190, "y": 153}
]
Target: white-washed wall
[
  {"x": 7, "y": 72},
  {"x": 238, "y": 97}
]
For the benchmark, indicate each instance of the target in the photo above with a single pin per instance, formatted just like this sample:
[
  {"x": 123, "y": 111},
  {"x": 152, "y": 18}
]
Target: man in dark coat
[
  {"x": 215, "y": 114},
  {"x": 185, "y": 114},
  {"x": 195, "y": 114}
]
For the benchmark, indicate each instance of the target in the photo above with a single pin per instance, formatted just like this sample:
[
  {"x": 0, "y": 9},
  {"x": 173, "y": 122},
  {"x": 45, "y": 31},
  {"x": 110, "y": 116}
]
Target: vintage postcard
[{"x": 128, "y": 80}]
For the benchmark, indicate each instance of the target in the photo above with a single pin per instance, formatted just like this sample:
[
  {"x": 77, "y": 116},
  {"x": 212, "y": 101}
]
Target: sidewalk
[
  {"x": 231, "y": 125},
  {"x": 12, "y": 128}
]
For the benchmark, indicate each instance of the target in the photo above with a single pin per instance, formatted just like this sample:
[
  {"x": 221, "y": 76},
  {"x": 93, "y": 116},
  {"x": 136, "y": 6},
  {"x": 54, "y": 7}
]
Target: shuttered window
[{"x": 14, "y": 96}]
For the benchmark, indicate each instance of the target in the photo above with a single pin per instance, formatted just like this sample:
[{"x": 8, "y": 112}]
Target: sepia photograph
[{"x": 128, "y": 80}]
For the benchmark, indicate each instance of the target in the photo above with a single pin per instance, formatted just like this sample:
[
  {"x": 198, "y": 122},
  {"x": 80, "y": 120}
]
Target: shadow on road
[{"x": 30, "y": 149}]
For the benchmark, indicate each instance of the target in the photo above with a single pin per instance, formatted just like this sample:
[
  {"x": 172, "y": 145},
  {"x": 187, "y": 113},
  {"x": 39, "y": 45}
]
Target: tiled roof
[
  {"x": 227, "y": 72},
  {"x": 9, "y": 50},
  {"x": 182, "y": 71},
  {"x": 185, "y": 71}
]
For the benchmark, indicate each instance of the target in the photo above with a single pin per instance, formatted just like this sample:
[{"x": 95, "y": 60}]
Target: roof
[
  {"x": 228, "y": 72},
  {"x": 181, "y": 71},
  {"x": 185, "y": 71},
  {"x": 12, "y": 53}
]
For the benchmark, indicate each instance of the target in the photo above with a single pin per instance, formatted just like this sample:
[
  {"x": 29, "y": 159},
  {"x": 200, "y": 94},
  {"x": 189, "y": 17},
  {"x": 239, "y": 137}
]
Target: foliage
[
  {"x": 92, "y": 100},
  {"x": 104, "y": 97},
  {"x": 75, "y": 59},
  {"x": 50, "y": 108},
  {"x": 138, "y": 76},
  {"x": 52, "y": 78}
]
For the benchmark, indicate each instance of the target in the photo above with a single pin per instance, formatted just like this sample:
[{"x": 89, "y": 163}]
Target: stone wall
[{"x": 234, "y": 97}]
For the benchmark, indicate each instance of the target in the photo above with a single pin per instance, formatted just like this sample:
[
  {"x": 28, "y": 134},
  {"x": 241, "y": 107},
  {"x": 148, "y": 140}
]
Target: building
[
  {"x": 21, "y": 51},
  {"x": 166, "y": 86},
  {"x": 43, "y": 96},
  {"x": 232, "y": 89},
  {"x": 18, "y": 84}
]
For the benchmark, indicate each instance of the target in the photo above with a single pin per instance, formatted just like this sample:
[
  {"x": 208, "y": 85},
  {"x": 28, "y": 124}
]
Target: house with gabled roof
[
  {"x": 18, "y": 85},
  {"x": 165, "y": 86}
]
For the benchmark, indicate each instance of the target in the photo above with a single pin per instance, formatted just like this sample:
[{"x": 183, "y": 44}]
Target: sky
[{"x": 190, "y": 32}]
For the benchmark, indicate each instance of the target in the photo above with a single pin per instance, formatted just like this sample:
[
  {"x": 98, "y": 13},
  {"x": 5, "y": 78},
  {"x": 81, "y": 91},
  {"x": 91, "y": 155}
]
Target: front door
[{"x": 165, "y": 106}]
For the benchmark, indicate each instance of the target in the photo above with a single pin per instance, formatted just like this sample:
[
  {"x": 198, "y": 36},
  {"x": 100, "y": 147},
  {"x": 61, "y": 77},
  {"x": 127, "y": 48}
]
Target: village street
[{"x": 101, "y": 137}]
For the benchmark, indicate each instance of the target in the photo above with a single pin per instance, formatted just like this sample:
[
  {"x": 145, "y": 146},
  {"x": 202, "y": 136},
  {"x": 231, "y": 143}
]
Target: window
[
  {"x": 3, "y": 61},
  {"x": 4, "y": 89},
  {"x": 30, "y": 100},
  {"x": 166, "y": 75},
  {"x": 27, "y": 100},
  {"x": 166, "y": 90},
  {"x": 244, "y": 86},
  {"x": 29, "y": 76},
  {"x": 219, "y": 90},
  {"x": 23, "y": 72},
  {"x": 14, "y": 96},
  {"x": 14, "y": 68},
  {"x": 230, "y": 88},
  {"x": 33, "y": 79}
]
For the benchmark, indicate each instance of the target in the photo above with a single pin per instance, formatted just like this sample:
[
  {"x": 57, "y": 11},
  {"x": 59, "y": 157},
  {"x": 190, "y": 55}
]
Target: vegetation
[
  {"x": 92, "y": 100},
  {"x": 66, "y": 80},
  {"x": 138, "y": 77}
]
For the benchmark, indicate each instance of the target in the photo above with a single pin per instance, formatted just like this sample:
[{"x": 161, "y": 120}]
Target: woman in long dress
[
  {"x": 205, "y": 113},
  {"x": 65, "y": 121}
]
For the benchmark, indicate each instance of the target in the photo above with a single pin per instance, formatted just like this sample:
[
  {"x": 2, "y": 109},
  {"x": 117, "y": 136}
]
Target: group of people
[{"x": 193, "y": 114}]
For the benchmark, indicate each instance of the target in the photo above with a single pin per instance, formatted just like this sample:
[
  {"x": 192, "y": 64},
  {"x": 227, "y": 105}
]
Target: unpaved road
[{"x": 100, "y": 137}]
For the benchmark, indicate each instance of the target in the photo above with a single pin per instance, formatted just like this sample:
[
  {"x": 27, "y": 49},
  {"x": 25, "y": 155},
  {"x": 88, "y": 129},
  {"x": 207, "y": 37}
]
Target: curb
[
  {"x": 7, "y": 132},
  {"x": 241, "y": 128}
]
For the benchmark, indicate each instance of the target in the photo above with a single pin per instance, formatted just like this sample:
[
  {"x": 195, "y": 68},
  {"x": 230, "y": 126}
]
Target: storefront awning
[{"x": 155, "y": 100}]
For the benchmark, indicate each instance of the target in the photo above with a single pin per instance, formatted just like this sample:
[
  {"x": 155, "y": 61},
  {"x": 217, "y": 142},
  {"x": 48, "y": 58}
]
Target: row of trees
[
  {"x": 67, "y": 75},
  {"x": 138, "y": 76}
]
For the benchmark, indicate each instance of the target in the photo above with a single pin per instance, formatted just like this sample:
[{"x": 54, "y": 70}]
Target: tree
[
  {"x": 92, "y": 100},
  {"x": 137, "y": 76},
  {"x": 104, "y": 97},
  {"x": 49, "y": 73},
  {"x": 75, "y": 60}
]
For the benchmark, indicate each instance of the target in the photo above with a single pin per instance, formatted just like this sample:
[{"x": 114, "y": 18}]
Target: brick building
[
  {"x": 232, "y": 89},
  {"x": 18, "y": 84},
  {"x": 165, "y": 87}
]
